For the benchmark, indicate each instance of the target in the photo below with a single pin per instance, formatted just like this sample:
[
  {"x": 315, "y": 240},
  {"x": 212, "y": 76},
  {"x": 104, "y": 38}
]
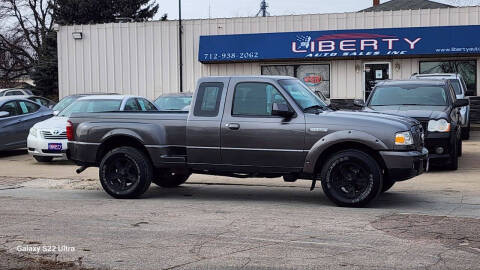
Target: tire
[
  {"x": 168, "y": 179},
  {"x": 125, "y": 173},
  {"x": 466, "y": 132},
  {"x": 345, "y": 171},
  {"x": 453, "y": 163},
  {"x": 43, "y": 159},
  {"x": 387, "y": 185}
]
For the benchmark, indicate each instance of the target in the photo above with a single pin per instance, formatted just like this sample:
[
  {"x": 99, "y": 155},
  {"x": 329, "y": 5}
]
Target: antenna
[{"x": 263, "y": 9}]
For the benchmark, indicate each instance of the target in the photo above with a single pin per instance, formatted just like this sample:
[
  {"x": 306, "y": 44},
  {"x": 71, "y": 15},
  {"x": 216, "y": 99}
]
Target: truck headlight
[
  {"x": 33, "y": 132},
  {"x": 441, "y": 125},
  {"x": 403, "y": 138}
]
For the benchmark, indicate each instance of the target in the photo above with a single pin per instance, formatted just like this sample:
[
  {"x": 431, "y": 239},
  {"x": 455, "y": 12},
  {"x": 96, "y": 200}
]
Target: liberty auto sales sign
[{"x": 412, "y": 41}]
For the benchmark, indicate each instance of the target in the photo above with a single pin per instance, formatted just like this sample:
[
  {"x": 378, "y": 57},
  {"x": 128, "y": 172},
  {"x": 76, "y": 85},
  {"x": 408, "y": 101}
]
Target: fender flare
[{"x": 338, "y": 137}]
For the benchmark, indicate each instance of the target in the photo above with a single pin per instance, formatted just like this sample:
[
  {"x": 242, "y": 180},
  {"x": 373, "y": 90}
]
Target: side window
[
  {"x": 146, "y": 105},
  {"x": 255, "y": 99},
  {"x": 28, "y": 107},
  {"x": 132, "y": 105},
  {"x": 10, "y": 107},
  {"x": 208, "y": 99},
  {"x": 14, "y": 93}
]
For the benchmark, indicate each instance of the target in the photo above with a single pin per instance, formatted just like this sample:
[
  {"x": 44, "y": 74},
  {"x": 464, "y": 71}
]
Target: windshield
[
  {"x": 409, "y": 95},
  {"x": 456, "y": 86},
  {"x": 174, "y": 103},
  {"x": 65, "y": 102},
  {"x": 92, "y": 105},
  {"x": 302, "y": 95}
]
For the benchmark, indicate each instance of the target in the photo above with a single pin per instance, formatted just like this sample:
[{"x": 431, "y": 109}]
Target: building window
[
  {"x": 317, "y": 77},
  {"x": 467, "y": 68}
]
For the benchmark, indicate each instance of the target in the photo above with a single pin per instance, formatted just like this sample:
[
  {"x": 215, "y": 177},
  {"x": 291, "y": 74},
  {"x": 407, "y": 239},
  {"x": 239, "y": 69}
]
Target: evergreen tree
[{"x": 102, "y": 11}]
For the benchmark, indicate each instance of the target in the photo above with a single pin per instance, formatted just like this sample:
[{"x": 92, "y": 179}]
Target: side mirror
[
  {"x": 282, "y": 110},
  {"x": 359, "y": 103},
  {"x": 4, "y": 114},
  {"x": 461, "y": 103},
  {"x": 55, "y": 113}
]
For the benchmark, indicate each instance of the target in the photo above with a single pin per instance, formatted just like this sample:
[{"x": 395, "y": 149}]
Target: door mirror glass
[
  {"x": 279, "y": 109},
  {"x": 461, "y": 103},
  {"x": 4, "y": 114},
  {"x": 359, "y": 103}
]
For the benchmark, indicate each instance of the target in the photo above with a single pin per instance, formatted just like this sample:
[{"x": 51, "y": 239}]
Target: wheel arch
[
  {"x": 118, "y": 140},
  {"x": 343, "y": 140}
]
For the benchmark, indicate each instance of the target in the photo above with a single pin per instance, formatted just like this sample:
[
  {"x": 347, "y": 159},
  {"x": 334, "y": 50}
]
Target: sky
[{"x": 194, "y": 9}]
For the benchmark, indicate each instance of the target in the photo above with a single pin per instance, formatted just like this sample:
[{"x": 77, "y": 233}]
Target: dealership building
[{"x": 342, "y": 55}]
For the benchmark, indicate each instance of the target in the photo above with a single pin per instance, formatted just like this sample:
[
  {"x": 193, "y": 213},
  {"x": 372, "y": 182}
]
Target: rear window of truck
[{"x": 208, "y": 99}]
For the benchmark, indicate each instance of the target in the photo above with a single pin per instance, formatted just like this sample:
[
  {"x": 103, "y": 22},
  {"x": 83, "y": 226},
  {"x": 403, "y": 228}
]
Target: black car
[{"x": 434, "y": 104}]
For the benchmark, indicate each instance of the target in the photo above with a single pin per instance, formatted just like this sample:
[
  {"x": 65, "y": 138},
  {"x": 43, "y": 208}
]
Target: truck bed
[{"x": 163, "y": 134}]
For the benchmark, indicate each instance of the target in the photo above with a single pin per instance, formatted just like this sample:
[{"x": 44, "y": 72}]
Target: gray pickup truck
[{"x": 251, "y": 127}]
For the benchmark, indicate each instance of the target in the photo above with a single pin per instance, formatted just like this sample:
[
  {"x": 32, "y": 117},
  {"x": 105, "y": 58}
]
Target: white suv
[{"x": 460, "y": 90}]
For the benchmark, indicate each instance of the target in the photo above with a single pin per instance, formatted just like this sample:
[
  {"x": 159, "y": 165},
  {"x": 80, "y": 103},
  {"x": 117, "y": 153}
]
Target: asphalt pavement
[{"x": 429, "y": 222}]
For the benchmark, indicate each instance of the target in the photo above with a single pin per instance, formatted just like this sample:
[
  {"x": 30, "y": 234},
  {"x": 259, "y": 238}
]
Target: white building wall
[{"x": 142, "y": 58}]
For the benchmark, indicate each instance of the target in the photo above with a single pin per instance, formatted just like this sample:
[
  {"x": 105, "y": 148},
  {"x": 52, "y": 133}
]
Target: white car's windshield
[{"x": 94, "y": 105}]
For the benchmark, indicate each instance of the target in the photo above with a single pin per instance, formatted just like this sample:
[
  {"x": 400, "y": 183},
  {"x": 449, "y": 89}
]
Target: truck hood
[
  {"x": 56, "y": 122},
  {"x": 362, "y": 119},
  {"x": 414, "y": 111}
]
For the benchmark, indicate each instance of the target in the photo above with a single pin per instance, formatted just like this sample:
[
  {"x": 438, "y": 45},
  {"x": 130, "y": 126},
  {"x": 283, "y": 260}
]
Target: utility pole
[
  {"x": 180, "y": 45},
  {"x": 263, "y": 9}
]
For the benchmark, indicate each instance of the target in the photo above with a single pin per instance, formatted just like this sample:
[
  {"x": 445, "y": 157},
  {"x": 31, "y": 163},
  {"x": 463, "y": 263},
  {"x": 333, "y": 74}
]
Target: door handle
[{"x": 233, "y": 126}]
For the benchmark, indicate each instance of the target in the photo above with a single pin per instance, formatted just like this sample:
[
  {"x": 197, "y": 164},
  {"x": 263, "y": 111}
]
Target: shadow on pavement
[
  {"x": 192, "y": 192},
  {"x": 11, "y": 153}
]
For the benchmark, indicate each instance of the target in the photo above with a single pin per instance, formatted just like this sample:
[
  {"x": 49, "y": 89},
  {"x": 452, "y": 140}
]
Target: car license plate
[{"x": 55, "y": 146}]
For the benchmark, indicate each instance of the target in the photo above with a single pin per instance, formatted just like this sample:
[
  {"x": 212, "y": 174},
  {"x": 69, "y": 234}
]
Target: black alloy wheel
[
  {"x": 125, "y": 173},
  {"x": 351, "y": 178}
]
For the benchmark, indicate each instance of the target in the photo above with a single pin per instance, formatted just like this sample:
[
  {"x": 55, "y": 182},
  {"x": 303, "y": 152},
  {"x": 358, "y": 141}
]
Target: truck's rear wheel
[
  {"x": 125, "y": 173},
  {"x": 170, "y": 179},
  {"x": 351, "y": 178}
]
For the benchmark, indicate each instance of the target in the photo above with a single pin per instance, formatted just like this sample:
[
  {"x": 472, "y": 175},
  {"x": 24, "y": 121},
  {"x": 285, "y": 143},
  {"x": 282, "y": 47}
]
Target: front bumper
[
  {"x": 436, "y": 140},
  {"x": 38, "y": 146},
  {"x": 402, "y": 166}
]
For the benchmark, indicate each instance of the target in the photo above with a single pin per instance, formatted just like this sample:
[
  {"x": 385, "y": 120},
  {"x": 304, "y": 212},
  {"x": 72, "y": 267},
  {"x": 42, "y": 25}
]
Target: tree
[
  {"x": 26, "y": 25},
  {"x": 102, "y": 11}
]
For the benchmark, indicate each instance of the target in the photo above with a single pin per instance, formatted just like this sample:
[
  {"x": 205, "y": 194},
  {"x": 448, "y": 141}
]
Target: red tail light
[{"x": 69, "y": 131}]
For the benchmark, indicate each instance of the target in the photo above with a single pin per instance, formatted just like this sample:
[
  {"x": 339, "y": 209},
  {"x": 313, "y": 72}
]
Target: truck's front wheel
[
  {"x": 169, "y": 179},
  {"x": 125, "y": 173},
  {"x": 351, "y": 178}
]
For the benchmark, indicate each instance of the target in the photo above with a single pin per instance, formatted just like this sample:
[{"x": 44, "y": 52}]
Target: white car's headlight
[
  {"x": 403, "y": 138},
  {"x": 33, "y": 132},
  {"x": 441, "y": 125}
]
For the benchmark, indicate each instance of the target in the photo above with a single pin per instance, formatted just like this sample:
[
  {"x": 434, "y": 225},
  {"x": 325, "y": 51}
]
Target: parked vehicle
[
  {"x": 15, "y": 92},
  {"x": 66, "y": 101},
  {"x": 250, "y": 127},
  {"x": 434, "y": 104},
  {"x": 48, "y": 139},
  {"x": 174, "y": 102},
  {"x": 17, "y": 116},
  {"x": 460, "y": 88},
  {"x": 42, "y": 101}
]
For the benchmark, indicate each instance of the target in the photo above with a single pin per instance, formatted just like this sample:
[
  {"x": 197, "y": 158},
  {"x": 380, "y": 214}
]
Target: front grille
[
  {"x": 54, "y": 135},
  {"x": 418, "y": 137}
]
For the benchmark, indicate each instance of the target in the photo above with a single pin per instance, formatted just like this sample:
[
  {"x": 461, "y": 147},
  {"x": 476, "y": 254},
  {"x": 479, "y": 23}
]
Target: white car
[
  {"x": 48, "y": 139},
  {"x": 460, "y": 88}
]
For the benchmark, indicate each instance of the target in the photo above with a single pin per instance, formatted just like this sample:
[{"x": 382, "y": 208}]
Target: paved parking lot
[{"x": 430, "y": 222}]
